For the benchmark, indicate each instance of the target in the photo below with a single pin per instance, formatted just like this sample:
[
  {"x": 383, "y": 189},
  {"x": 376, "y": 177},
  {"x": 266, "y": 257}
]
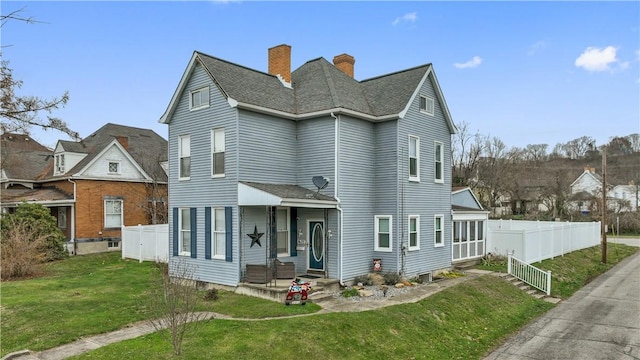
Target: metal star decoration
[{"x": 255, "y": 237}]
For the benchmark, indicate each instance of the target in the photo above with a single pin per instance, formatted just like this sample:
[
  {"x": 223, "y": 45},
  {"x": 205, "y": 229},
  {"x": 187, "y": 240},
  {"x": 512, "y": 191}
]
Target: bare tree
[
  {"x": 20, "y": 113},
  {"x": 465, "y": 153},
  {"x": 174, "y": 301}
]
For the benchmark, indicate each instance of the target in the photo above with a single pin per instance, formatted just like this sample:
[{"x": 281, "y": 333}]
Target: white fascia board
[
  {"x": 286, "y": 115},
  {"x": 126, "y": 154}
]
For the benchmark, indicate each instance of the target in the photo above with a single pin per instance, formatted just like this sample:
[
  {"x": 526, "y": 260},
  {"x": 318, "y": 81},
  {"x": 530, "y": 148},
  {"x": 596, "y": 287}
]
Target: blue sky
[{"x": 526, "y": 72}]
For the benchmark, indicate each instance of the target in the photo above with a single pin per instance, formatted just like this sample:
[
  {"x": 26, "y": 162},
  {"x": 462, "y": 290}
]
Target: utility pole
[{"x": 604, "y": 205}]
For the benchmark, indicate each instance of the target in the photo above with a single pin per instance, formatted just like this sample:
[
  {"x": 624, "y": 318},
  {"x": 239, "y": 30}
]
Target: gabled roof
[
  {"x": 317, "y": 88},
  {"x": 587, "y": 173},
  {"x": 146, "y": 147}
]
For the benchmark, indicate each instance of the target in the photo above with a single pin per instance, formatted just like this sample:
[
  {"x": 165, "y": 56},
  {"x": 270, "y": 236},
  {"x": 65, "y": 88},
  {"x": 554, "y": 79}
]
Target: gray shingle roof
[
  {"x": 22, "y": 157},
  {"x": 317, "y": 85},
  {"x": 146, "y": 147},
  {"x": 287, "y": 191},
  {"x": 41, "y": 194}
]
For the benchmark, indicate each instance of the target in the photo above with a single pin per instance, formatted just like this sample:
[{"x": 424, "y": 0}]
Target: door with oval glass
[{"x": 316, "y": 245}]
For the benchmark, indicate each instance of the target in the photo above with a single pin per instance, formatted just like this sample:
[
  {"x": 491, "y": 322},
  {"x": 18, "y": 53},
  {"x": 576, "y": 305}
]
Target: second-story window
[
  {"x": 217, "y": 152},
  {"x": 184, "y": 153},
  {"x": 60, "y": 164},
  {"x": 199, "y": 98},
  {"x": 414, "y": 158},
  {"x": 438, "y": 161},
  {"x": 427, "y": 104}
]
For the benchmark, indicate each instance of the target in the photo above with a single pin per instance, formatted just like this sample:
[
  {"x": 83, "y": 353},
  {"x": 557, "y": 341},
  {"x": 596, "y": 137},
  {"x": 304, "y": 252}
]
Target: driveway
[{"x": 600, "y": 321}]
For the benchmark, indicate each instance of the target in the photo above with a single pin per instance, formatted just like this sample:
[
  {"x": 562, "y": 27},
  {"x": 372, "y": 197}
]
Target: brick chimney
[
  {"x": 280, "y": 61},
  {"x": 344, "y": 63},
  {"x": 124, "y": 141}
]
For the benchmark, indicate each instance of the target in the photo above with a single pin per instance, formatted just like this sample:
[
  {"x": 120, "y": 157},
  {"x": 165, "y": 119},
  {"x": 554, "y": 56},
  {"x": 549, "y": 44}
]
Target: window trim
[
  {"x": 213, "y": 152},
  {"x": 214, "y": 234},
  {"x": 428, "y": 100},
  {"x": 437, "y": 160},
  {"x": 62, "y": 218},
  {"x": 288, "y": 231},
  {"x": 109, "y": 162},
  {"x": 203, "y": 104},
  {"x": 376, "y": 244},
  {"x": 180, "y": 232},
  {"x": 417, "y": 176},
  {"x": 181, "y": 156},
  {"x": 417, "y": 218},
  {"x": 121, "y": 213},
  {"x": 59, "y": 164},
  {"x": 435, "y": 230}
]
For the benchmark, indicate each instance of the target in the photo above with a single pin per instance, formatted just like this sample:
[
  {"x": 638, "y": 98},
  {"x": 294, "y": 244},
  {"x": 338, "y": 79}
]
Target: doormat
[{"x": 310, "y": 276}]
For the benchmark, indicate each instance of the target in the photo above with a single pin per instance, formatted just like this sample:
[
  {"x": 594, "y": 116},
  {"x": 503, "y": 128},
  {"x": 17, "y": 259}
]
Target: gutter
[
  {"x": 336, "y": 176},
  {"x": 73, "y": 217}
]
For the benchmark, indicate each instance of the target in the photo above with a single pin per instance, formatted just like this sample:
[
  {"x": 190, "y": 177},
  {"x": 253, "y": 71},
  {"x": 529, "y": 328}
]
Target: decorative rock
[
  {"x": 365, "y": 293},
  {"x": 399, "y": 285}
]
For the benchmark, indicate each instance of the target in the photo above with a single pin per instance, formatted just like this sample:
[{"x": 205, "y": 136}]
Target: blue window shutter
[
  {"x": 194, "y": 233},
  {"x": 207, "y": 232},
  {"x": 175, "y": 231},
  {"x": 228, "y": 233},
  {"x": 294, "y": 230}
]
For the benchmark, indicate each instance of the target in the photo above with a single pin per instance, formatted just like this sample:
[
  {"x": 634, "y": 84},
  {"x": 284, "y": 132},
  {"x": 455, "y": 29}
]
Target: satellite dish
[{"x": 320, "y": 182}]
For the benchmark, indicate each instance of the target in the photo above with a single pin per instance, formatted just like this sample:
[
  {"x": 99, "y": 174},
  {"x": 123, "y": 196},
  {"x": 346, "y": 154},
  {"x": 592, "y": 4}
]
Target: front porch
[{"x": 276, "y": 289}]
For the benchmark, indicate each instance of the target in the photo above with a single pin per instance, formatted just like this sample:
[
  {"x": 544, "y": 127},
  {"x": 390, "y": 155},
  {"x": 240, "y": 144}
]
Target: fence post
[
  {"x": 509, "y": 264},
  {"x": 122, "y": 239},
  {"x": 139, "y": 242},
  {"x": 548, "y": 282}
]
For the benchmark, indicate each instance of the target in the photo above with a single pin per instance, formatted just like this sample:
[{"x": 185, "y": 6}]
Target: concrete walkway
[{"x": 328, "y": 305}]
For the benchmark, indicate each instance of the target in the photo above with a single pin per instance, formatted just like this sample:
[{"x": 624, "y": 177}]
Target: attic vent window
[
  {"x": 114, "y": 167},
  {"x": 199, "y": 98},
  {"x": 427, "y": 105}
]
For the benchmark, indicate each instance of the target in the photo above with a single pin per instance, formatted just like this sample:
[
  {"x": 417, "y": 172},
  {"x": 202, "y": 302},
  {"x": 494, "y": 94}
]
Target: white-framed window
[
  {"x": 438, "y": 161},
  {"x": 112, "y": 244},
  {"x": 184, "y": 154},
  {"x": 282, "y": 230},
  {"x": 414, "y": 232},
  {"x": 218, "y": 231},
  {"x": 113, "y": 167},
  {"x": 383, "y": 236},
  {"x": 217, "y": 152},
  {"x": 438, "y": 237},
  {"x": 60, "y": 164},
  {"x": 414, "y": 158},
  {"x": 199, "y": 98},
  {"x": 112, "y": 213},
  {"x": 62, "y": 218},
  {"x": 427, "y": 104},
  {"x": 184, "y": 224}
]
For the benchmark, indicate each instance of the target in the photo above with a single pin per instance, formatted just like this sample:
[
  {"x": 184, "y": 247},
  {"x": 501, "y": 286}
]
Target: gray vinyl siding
[
  {"x": 202, "y": 190},
  {"x": 268, "y": 149},
  {"x": 464, "y": 198},
  {"x": 316, "y": 153},
  {"x": 426, "y": 198},
  {"x": 357, "y": 188}
]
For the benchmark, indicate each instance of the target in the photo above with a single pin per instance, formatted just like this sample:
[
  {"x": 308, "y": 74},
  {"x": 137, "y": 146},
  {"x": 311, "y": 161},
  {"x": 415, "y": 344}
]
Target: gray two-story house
[{"x": 310, "y": 167}]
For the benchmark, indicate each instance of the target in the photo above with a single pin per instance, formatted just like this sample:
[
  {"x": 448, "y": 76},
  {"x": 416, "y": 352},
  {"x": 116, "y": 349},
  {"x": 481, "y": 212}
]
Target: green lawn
[{"x": 93, "y": 294}]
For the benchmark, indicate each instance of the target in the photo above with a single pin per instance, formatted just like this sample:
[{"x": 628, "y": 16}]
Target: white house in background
[
  {"x": 625, "y": 197},
  {"x": 469, "y": 225},
  {"x": 588, "y": 187}
]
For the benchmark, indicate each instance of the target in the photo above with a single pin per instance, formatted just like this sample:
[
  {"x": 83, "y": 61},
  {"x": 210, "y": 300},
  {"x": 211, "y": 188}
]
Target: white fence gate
[
  {"x": 533, "y": 241},
  {"x": 146, "y": 242}
]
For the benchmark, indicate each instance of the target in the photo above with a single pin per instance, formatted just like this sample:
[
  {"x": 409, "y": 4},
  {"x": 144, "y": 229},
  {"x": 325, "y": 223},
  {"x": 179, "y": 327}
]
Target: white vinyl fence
[
  {"x": 532, "y": 241},
  {"x": 146, "y": 242}
]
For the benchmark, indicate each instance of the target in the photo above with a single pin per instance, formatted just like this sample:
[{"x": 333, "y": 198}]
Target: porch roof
[
  {"x": 263, "y": 194},
  {"x": 467, "y": 210},
  {"x": 45, "y": 196}
]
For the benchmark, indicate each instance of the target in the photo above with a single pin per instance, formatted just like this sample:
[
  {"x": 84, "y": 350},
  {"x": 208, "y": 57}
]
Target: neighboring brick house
[
  {"x": 312, "y": 167},
  {"x": 111, "y": 178}
]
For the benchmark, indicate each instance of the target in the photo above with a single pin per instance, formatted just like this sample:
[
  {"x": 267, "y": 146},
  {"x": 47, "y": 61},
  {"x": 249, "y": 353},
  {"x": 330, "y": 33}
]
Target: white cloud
[
  {"x": 409, "y": 17},
  {"x": 538, "y": 45},
  {"x": 596, "y": 59},
  {"x": 477, "y": 60}
]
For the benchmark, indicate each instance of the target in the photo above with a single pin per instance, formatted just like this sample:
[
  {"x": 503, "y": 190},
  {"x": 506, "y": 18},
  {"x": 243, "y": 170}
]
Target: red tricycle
[{"x": 298, "y": 292}]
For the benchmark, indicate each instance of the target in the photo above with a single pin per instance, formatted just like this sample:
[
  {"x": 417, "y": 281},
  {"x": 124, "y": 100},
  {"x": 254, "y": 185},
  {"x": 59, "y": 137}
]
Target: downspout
[
  {"x": 336, "y": 157},
  {"x": 73, "y": 217}
]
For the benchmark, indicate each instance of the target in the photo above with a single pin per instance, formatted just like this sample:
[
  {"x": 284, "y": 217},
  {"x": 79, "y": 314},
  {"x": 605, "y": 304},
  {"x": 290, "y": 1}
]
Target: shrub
[
  {"x": 211, "y": 295},
  {"x": 350, "y": 292},
  {"x": 21, "y": 249},
  {"x": 363, "y": 279},
  {"x": 391, "y": 278},
  {"x": 38, "y": 225}
]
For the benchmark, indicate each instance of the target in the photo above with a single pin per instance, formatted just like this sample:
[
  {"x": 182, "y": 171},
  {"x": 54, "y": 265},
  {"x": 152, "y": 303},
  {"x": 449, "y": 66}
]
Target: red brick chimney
[
  {"x": 124, "y": 141},
  {"x": 344, "y": 63},
  {"x": 280, "y": 61}
]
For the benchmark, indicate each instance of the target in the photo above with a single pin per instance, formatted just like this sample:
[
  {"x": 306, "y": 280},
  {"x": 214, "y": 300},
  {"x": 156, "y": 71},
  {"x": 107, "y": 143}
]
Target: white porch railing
[{"x": 531, "y": 275}]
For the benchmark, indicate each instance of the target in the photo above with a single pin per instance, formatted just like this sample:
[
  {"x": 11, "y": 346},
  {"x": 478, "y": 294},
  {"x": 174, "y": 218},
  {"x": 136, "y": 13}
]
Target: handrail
[{"x": 531, "y": 275}]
